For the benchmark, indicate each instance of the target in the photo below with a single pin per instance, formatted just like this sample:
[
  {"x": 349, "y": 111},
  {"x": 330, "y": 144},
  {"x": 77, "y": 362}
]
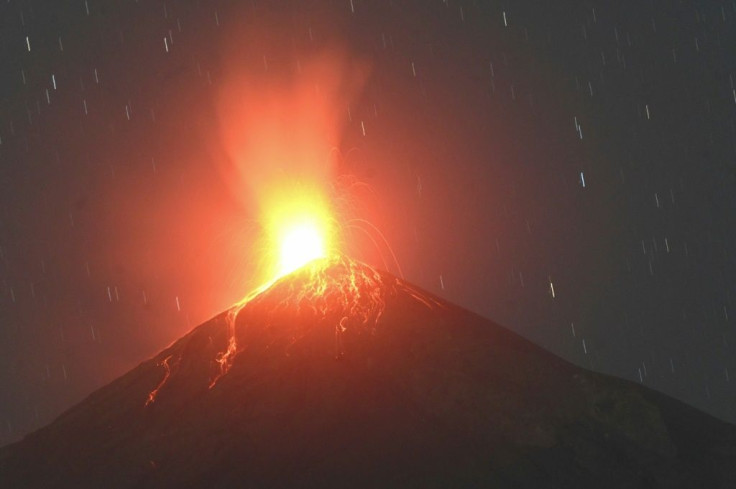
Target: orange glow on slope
[
  {"x": 299, "y": 230},
  {"x": 337, "y": 295},
  {"x": 336, "y": 288}
]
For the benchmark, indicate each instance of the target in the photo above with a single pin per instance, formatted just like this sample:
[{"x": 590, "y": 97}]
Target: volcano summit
[{"x": 338, "y": 375}]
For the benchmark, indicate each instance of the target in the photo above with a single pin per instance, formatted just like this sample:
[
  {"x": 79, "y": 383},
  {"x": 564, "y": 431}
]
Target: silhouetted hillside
[{"x": 341, "y": 376}]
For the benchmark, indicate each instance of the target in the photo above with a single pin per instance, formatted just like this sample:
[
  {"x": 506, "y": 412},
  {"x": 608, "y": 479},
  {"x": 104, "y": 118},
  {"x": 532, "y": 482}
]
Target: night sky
[{"x": 566, "y": 169}]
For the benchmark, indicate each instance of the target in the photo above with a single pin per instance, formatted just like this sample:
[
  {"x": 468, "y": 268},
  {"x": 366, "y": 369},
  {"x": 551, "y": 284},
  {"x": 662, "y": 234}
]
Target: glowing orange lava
[
  {"x": 167, "y": 372},
  {"x": 336, "y": 294},
  {"x": 335, "y": 288}
]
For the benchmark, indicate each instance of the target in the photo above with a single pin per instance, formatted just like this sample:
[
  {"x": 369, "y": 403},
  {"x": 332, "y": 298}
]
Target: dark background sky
[{"x": 567, "y": 169}]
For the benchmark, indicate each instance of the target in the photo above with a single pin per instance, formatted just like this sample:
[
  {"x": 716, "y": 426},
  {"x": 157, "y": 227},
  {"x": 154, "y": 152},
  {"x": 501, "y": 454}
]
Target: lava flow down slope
[{"x": 338, "y": 375}]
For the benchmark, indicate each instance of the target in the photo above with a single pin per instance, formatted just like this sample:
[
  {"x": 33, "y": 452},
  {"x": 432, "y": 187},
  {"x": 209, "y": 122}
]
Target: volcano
[{"x": 338, "y": 375}]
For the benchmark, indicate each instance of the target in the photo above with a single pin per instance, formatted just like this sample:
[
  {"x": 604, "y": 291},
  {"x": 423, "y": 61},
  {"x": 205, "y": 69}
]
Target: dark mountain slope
[{"x": 339, "y": 375}]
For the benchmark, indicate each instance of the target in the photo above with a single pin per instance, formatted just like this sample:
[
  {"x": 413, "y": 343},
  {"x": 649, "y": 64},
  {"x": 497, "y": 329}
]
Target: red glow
[
  {"x": 338, "y": 292},
  {"x": 337, "y": 286},
  {"x": 281, "y": 117}
]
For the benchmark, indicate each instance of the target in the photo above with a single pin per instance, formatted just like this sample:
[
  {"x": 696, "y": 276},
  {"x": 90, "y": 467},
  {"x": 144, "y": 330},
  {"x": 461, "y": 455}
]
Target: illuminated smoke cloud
[{"x": 282, "y": 112}]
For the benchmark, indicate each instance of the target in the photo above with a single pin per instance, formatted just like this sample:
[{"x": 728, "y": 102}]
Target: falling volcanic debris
[{"x": 341, "y": 375}]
